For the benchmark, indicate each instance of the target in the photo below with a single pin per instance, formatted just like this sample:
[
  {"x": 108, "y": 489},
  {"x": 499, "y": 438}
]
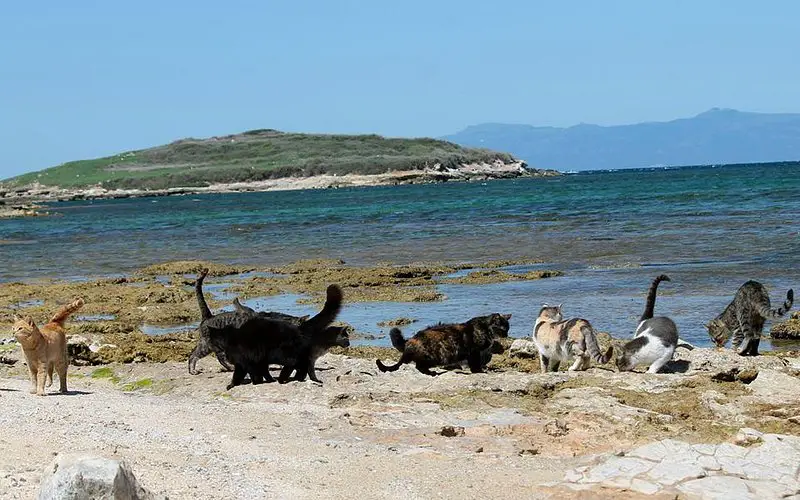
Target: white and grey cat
[
  {"x": 744, "y": 318},
  {"x": 655, "y": 339}
]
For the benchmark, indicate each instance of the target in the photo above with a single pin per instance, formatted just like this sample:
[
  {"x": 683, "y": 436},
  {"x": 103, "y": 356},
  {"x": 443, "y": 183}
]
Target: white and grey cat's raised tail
[
  {"x": 777, "y": 313},
  {"x": 650, "y": 305}
]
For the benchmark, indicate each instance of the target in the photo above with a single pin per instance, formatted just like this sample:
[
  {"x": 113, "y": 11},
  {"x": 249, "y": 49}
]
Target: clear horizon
[{"x": 87, "y": 81}]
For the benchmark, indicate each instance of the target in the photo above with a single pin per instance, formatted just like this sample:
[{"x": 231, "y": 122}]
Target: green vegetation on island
[{"x": 257, "y": 155}]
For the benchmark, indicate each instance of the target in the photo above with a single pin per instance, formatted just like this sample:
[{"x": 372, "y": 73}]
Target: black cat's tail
[
  {"x": 650, "y": 306},
  {"x": 205, "y": 312},
  {"x": 398, "y": 342},
  {"x": 777, "y": 313},
  {"x": 391, "y": 368},
  {"x": 333, "y": 304}
]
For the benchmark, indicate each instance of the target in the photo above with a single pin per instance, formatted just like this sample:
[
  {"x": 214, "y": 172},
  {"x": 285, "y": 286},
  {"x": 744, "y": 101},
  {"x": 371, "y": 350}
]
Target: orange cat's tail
[{"x": 61, "y": 316}]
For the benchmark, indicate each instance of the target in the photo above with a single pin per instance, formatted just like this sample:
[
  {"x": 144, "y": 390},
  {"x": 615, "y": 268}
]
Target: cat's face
[
  {"x": 23, "y": 328},
  {"x": 551, "y": 313},
  {"x": 624, "y": 362},
  {"x": 718, "y": 331},
  {"x": 499, "y": 325},
  {"x": 335, "y": 336}
]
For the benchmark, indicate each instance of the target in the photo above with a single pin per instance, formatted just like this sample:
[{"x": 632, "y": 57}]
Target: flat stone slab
[{"x": 764, "y": 466}]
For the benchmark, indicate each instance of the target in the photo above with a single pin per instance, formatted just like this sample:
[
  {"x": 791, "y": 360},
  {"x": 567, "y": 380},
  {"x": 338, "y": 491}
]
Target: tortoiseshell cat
[
  {"x": 46, "y": 348},
  {"x": 559, "y": 340},
  {"x": 447, "y": 344},
  {"x": 744, "y": 318}
]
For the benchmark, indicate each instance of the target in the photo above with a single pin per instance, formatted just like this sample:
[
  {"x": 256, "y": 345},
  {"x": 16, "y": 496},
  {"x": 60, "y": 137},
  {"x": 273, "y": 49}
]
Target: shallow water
[{"x": 710, "y": 229}]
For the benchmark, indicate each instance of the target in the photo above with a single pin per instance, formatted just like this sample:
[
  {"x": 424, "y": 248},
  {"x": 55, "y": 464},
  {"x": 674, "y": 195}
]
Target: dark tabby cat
[
  {"x": 253, "y": 342},
  {"x": 446, "y": 344},
  {"x": 655, "y": 339},
  {"x": 204, "y": 347},
  {"x": 243, "y": 309},
  {"x": 744, "y": 318}
]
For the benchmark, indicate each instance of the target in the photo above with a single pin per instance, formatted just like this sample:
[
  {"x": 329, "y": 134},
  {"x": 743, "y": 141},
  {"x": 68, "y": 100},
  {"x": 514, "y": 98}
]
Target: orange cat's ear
[{"x": 16, "y": 317}]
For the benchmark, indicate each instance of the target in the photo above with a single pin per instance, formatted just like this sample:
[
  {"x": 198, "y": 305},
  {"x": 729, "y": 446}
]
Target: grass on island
[{"x": 256, "y": 155}]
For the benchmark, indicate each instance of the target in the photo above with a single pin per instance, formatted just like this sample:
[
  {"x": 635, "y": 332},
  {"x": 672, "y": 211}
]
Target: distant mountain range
[{"x": 716, "y": 136}]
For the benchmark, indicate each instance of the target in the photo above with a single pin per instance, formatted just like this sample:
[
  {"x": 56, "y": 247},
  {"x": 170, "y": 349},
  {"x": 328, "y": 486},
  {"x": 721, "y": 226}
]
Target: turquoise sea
[{"x": 709, "y": 228}]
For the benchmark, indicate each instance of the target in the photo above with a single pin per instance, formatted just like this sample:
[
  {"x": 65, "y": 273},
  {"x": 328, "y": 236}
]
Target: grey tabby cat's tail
[
  {"x": 205, "y": 312},
  {"x": 241, "y": 308},
  {"x": 650, "y": 306},
  {"x": 398, "y": 342},
  {"x": 590, "y": 337},
  {"x": 777, "y": 313},
  {"x": 333, "y": 304}
]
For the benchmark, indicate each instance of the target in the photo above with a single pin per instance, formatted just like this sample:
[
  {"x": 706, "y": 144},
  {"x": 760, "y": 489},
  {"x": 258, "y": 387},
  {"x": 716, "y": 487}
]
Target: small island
[{"x": 264, "y": 160}]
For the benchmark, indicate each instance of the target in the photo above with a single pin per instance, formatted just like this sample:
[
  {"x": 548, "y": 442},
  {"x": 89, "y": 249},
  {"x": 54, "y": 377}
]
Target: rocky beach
[{"x": 717, "y": 425}]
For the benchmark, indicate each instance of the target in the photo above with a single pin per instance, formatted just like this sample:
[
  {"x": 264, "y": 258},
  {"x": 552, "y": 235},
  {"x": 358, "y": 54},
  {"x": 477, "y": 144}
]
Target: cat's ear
[
  {"x": 17, "y": 317},
  {"x": 559, "y": 306},
  {"x": 545, "y": 305},
  {"x": 506, "y": 316}
]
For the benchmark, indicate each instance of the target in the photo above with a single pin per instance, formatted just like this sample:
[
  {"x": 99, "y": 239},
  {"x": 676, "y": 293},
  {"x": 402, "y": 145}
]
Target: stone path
[{"x": 756, "y": 466}]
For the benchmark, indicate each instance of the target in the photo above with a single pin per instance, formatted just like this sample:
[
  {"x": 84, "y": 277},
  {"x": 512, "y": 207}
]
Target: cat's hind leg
[
  {"x": 661, "y": 361},
  {"x": 61, "y": 369},
  {"x": 50, "y": 374},
  {"x": 544, "y": 362}
]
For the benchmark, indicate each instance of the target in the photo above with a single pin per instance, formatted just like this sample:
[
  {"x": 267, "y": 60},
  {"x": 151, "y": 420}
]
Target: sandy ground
[{"x": 186, "y": 437}]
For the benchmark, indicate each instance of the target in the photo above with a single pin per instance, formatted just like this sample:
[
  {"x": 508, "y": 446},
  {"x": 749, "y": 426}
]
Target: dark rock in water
[
  {"x": 85, "y": 476},
  {"x": 787, "y": 330}
]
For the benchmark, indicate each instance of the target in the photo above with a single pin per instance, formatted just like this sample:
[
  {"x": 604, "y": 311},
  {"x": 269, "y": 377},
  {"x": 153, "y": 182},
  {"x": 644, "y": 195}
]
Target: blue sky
[{"x": 90, "y": 78}]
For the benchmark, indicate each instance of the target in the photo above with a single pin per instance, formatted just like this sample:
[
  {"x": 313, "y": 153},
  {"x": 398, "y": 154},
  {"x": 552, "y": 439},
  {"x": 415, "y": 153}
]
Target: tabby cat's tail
[
  {"x": 241, "y": 308},
  {"x": 650, "y": 305},
  {"x": 333, "y": 304},
  {"x": 205, "y": 312},
  {"x": 398, "y": 342},
  {"x": 61, "y": 316},
  {"x": 776, "y": 313},
  {"x": 590, "y": 337}
]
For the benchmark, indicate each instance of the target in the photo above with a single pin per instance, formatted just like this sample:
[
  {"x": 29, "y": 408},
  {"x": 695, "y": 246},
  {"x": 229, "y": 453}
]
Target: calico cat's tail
[
  {"x": 590, "y": 338},
  {"x": 651, "y": 297},
  {"x": 65, "y": 312},
  {"x": 333, "y": 304},
  {"x": 777, "y": 313},
  {"x": 398, "y": 342},
  {"x": 205, "y": 312}
]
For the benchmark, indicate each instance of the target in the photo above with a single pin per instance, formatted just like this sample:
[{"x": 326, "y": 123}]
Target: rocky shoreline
[
  {"x": 435, "y": 174},
  {"x": 697, "y": 432}
]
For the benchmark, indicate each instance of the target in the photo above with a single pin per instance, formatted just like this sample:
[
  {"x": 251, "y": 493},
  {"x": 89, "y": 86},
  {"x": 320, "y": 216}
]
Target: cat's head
[
  {"x": 23, "y": 328},
  {"x": 499, "y": 325},
  {"x": 718, "y": 331},
  {"x": 623, "y": 361},
  {"x": 551, "y": 313},
  {"x": 334, "y": 336}
]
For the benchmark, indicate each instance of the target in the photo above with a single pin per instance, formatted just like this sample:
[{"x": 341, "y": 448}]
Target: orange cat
[{"x": 46, "y": 349}]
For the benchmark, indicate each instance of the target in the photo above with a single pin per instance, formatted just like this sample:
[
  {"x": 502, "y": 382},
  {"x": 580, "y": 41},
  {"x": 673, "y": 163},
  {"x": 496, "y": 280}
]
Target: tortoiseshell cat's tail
[
  {"x": 391, "y": 368},
  {"x": 205, "y": 312},
  {"x": 65, "y": 312},
  {"x": 777, "y": 313},
  {"x": 650, "y": 306}
]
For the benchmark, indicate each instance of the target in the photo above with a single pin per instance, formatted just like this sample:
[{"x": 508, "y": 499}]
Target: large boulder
[{"x": 77, "y": 477}]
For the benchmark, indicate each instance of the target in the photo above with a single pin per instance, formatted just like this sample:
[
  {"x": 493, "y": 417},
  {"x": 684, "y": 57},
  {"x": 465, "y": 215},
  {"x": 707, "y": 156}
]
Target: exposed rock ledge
[{"x": 437, "y": 173}]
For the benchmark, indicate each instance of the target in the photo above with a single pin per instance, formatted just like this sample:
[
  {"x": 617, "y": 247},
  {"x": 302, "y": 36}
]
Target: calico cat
[
  {"x": 559, "y": 340},
  {"x": 46, "y": 348},
  {"x": 744, "y": 317},
  {"x": 655, "y": 339},
  {"x": 446, "y": 344},
  {"x": 253, "y": 342}
]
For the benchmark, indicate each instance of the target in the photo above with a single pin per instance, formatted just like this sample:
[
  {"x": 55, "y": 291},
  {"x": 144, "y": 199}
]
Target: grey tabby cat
[
  {"x": 655, "y": 339},
  {"x": 744, "y": 318}
]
